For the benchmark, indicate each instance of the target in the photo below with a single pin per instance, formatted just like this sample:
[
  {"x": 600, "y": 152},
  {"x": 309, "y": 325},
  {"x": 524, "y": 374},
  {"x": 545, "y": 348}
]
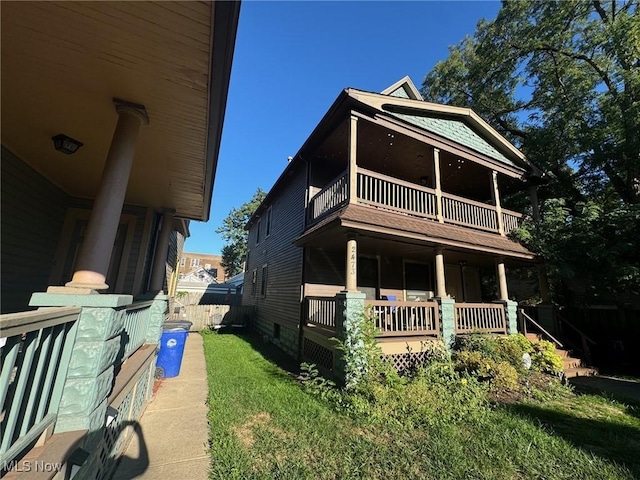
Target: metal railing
[
  {"x": 321, "y": 311},
  {"x": 404, "y": 318},
  {"x": 480, "y": 317},
  {"x": 36, "y": 350}
]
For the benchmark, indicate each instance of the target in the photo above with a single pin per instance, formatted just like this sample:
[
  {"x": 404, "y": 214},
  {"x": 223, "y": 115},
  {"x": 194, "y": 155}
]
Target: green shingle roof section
[
  {"x": 457, "y": 131},
  {"x": 399, "y": 92}
]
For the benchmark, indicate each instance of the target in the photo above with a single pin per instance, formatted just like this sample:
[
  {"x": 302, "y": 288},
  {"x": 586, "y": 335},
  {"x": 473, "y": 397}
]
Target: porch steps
[{"x": 572, "y": 366}]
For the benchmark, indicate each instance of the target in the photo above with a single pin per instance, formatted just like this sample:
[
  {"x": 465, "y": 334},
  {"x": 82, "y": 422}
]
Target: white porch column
[
  {"x": 441, "y": 289},
  {"x": 352, "y": 173},
  {"x": 495, "y": 196},
  {"x": 502, "y": 280},
  {"x": 351, "y": 274},
  {"x": 438, "y": 185},
  {"x": 159, "y": 272},
  {"x": 95, "y": 254}
]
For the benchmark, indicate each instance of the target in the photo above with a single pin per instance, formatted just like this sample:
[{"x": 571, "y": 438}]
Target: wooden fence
[{"x": 205, "y": 316}]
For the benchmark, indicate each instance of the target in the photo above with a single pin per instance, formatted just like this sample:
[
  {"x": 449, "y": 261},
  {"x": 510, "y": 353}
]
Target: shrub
[
  {"x": 504, "y": 377},
  {"x": 545, "y": 359}
]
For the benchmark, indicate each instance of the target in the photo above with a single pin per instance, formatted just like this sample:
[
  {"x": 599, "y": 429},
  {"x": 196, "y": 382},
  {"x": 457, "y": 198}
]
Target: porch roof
[
  {"x": 373, "y": 220},
  {"x": 64, "y": 62}
]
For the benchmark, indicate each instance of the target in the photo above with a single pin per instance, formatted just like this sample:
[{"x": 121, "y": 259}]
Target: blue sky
[{"x": 291, "y": 61}]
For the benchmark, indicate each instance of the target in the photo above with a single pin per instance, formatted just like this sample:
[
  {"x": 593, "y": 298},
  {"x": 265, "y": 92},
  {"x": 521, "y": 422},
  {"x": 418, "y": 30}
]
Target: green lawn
[{"x": 264, "y": 425}]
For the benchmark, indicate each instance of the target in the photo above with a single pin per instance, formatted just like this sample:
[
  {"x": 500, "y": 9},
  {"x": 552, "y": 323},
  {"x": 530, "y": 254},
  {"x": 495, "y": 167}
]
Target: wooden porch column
[
  {"x": 495, "y": 196},
  {"x": 159, "y": 272},
  {"x": 95, "y": 254},
  {"x": 502, "y": 280},
  {"x": 351, "y": 274},
  {"x": 352, "y": 167},
  {"x": 438, "y": 185},
  {"x": 441, "y": 290}
]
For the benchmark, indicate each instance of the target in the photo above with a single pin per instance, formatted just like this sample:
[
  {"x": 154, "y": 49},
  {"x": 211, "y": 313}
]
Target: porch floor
[{"x": 173, "y": 436}]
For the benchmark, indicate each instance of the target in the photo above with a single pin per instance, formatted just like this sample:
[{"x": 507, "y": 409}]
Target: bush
[
  {"x": 501, "y": 375},
  {"x": 545, "y": 359}
]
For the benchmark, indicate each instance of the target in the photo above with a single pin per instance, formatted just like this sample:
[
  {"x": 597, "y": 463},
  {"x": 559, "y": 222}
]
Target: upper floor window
[
  {"x": 263, "y": 282},
  {"x": 195, "y": 262},
  {"x": 207, "y": 266},
  {"x": 268, "y": 225},
  {"x": 258, "y": 232},
  {"x": 183, "y": 262}
]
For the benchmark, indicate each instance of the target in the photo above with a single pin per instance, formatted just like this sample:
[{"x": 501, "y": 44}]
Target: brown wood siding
[
  {"x": 281, "y": 304},
  {"x": 33, "y": 212}
]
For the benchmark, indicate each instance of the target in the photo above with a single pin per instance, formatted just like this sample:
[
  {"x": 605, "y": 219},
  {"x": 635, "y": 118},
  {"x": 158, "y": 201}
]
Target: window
[
  {"x": 268, "y": 225},
  {"x": 207, "y": 266},
  {"x": 183, "y": 262},
  {"x": 214, "y": 272},
  {"x": 254, "y": 281},
  {"x": 195, "y": 262},
  {"x": 263, "y": 282},
  {"x": 258, "y": 233},
  {"x": 276, "y": 331}
]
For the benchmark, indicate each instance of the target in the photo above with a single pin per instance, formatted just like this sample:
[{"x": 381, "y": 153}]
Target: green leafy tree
[
  {"x": 561, "y": 80},
  {"x": 235, "y": 235}
]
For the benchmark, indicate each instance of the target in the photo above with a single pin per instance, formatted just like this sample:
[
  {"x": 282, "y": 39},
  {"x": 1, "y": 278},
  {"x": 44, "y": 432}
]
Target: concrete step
[
  {"x": 580, "y": 372},
  {"x": 534, "y": 337},
  {"x": 571, "y": 362},
  {"x": 563, "y": 353}
]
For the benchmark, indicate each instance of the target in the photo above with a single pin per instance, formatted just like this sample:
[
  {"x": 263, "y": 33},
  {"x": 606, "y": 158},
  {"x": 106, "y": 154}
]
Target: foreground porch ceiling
[{"x": 63, "y": 63}]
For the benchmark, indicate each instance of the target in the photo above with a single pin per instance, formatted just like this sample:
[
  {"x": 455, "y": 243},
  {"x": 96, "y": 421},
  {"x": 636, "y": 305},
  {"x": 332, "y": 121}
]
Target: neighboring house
[
  {"x": 401, "y": 200},
  {"x": 141, "y": 89},
  {"x": 209, "y": 262}
]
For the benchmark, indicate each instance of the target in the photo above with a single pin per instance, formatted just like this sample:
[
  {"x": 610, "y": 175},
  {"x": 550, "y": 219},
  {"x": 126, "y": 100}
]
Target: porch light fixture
[{"x": 66, "y": 144}]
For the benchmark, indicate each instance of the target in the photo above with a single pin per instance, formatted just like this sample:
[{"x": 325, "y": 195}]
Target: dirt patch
[{"x": 245, "y": 432}]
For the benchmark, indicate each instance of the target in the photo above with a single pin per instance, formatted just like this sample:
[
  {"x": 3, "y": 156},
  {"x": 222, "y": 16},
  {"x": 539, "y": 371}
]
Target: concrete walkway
[
  {"x": 173, "y": 437},
  {"x": 620, "y": 387}
]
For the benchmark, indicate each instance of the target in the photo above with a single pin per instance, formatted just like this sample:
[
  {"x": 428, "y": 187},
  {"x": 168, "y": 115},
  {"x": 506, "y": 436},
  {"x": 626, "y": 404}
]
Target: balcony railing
[
  {"x": 405, "y": 318},
  {"x": 394, "y": 194},
  {"x": 36, "y": 349},
  {"x": 480, "y": 317},
  {"x": 397, "y": 195},
  {"x": 330, "y": 198}
]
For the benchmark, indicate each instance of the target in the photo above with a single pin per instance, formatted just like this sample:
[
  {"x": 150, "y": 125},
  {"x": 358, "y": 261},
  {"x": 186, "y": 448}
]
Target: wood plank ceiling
[{"x": 63, "y": 62}]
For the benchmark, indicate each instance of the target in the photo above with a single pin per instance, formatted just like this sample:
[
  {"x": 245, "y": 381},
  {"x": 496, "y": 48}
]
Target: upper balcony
[
  {"x": 388, "y": 167},
  {"x": 393, "y": 194}
]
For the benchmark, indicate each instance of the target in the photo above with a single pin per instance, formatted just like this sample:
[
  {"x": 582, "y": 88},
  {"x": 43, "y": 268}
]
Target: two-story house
[{"x": 402, "y": 201}]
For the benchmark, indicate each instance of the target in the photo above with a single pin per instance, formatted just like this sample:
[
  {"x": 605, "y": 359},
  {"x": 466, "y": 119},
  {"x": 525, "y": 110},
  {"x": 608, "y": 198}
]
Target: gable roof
[
  {"x": 403, "y": 88},
  {"x": 461, "y": 125}
]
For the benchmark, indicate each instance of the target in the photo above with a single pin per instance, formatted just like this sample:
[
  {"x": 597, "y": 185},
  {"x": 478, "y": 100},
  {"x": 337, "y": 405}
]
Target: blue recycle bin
[{"x": 171, "y": 350}]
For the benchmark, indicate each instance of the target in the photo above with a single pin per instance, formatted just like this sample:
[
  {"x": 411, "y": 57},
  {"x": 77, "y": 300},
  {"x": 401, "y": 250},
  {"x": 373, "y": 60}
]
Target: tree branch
[{"x": 600, "y": 10}]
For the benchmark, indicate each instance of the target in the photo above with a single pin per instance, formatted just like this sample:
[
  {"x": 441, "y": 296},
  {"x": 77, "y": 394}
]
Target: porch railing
[
  {"x": 405, "y": 318},
  {"x": 36, "y": 349},
  {"x": 321, "y": 311},
  {"x": 136, "y": 322},
  {"x": 480, "y": 317},
  {"x": 330, "y": 197},
  {"x": 395, "y": 194}
]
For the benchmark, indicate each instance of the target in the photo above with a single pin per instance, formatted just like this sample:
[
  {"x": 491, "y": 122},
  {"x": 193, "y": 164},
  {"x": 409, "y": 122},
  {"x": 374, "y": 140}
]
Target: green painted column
[
  {"x": 349, "y": 319},
  {"x": 156, "y": 318},
  {"x": 447, "y": 314},
  {"x": 91, "y": 372},
  {"x": 511, "y": 315}
]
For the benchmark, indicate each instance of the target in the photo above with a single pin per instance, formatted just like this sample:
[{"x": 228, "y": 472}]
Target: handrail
[
  {"x": 576, "y": 329},
  {"x": 332, "y": 201},
  {"x": 398, "y": 181},
  {"x": 555, "y": 340},
  {"x": 24, "y": 322},
  {"x": 468, "y": 201}
]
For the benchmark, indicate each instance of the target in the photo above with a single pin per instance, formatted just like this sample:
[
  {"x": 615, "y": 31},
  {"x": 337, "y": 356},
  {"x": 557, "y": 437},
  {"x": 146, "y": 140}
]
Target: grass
[{"x": 265, "y": 426}]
